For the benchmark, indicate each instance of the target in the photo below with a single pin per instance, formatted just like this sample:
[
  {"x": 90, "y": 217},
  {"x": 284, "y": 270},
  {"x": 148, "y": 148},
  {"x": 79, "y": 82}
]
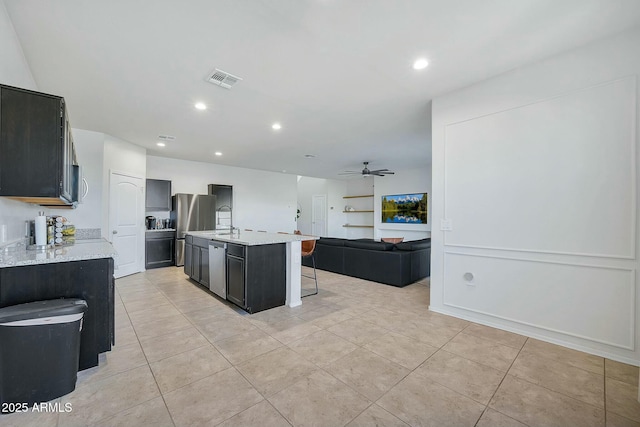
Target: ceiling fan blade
[{"x": 366, "y": 172}]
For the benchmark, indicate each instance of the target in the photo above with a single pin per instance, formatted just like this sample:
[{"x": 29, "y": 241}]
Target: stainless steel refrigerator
[{"x": 191, "y": 212}]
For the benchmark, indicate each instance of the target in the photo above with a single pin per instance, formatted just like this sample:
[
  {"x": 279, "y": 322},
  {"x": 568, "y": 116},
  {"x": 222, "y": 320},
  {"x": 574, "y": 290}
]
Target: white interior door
[
  {"x": 126, "y": 222},
  {"x": 319, "y": 215}
]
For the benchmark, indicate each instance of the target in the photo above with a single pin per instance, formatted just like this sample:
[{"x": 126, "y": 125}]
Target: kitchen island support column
[{"x": 294, "y": 271}]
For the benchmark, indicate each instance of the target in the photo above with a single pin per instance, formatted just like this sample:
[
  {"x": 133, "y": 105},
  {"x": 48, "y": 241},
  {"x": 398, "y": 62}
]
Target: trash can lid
[{"x": 40, "y": 309}]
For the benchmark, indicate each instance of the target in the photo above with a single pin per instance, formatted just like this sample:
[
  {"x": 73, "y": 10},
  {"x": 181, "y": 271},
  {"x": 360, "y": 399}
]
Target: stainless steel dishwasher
[{"x": 218, "y": 268}]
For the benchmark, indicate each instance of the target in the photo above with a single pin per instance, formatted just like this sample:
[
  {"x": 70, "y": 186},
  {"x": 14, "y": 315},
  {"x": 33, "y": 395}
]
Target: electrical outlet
[
  {"x": 445, "y": 225},
  {"x": 468, "y": 278}
]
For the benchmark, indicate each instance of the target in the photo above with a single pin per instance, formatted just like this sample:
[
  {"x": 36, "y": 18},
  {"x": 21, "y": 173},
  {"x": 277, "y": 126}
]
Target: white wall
[
  {"x": 261, "y": 200},
  {"x": 14, "y": 71},
  {"x": 403, "y": 182},
  {"x": 536, "y": 170},
  {"x": 89, "y": 150},
  {"x": 334, "y": 190}
]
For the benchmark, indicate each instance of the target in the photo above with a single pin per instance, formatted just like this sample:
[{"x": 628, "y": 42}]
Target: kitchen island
[
  {"x": 83, "y": 270},
  {"x": 259, "y": 265}
]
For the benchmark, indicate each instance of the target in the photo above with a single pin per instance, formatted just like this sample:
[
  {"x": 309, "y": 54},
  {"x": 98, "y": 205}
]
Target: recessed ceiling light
[
  {"x": 201, "y": 106},
  {"x": 217, "y": 153},
  {"x": 160, "y": 144},
  {"x": 309, "y": 156},
  {"x": 276, "y": 126},
  {"x": 284, "y": 171},
  {"x": 420, "y": 64}
]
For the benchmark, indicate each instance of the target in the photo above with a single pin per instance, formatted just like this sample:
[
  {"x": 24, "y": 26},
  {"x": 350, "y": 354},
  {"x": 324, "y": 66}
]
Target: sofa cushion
[
  {"x": 371, "y": 245},
  {"x": 389, "y": 267},
  {"x": 330, "y": 258},
  {"x": 414, "y": 245},
  {"x": 332, "y": 241}
]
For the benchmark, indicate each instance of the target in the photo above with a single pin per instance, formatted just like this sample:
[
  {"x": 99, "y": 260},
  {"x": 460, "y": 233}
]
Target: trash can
[{"x": 39, "y": 350}]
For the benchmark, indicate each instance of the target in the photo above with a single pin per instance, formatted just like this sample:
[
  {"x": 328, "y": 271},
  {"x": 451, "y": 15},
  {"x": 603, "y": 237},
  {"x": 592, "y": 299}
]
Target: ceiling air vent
[
  {"x": 166, "y": 138},
  {"x": 222, "y": 78}
]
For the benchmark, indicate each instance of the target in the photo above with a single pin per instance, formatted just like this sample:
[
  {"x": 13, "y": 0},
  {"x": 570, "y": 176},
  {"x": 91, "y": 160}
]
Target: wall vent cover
[{"x": 222, "y": 78}]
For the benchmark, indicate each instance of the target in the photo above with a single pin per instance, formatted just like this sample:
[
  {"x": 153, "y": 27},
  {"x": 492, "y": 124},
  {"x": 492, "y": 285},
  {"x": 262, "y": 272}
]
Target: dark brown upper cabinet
[
  {"x": 158, "y": 196},
  {"x": 37, "y": 156}
]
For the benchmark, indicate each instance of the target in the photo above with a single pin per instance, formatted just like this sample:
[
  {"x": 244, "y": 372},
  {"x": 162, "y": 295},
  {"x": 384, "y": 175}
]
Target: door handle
[
  {"x": 86, "y": 187},
  {"x": 115, "y": 232}
]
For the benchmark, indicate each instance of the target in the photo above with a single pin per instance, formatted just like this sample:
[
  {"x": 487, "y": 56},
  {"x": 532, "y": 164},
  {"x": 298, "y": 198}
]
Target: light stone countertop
[
  {"x": 82, "y": 250},
  {"x": 250, "y": 238}
]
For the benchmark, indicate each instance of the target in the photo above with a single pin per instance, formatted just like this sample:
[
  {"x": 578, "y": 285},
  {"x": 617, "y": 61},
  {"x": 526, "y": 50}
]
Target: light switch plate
[{"x": 445, "y": 225}]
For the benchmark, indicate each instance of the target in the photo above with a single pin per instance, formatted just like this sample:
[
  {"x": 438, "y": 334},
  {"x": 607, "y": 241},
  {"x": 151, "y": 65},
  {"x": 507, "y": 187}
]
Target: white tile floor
[{"x": 358, "y": 353}]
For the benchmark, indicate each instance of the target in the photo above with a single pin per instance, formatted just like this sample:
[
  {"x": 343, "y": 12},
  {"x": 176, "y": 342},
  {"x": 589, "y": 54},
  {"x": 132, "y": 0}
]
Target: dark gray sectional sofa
[{"x": 397, "y": 265}]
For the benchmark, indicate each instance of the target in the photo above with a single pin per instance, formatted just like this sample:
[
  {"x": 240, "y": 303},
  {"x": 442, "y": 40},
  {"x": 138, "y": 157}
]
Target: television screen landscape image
[{"x": 405, "y": 208}]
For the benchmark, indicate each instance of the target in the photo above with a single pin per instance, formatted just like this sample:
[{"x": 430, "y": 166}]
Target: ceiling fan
[{"x": 366, "y": 172}]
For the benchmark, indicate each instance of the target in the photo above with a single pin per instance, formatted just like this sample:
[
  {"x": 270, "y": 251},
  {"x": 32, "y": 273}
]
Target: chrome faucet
[{"x": 230, "y": 216}]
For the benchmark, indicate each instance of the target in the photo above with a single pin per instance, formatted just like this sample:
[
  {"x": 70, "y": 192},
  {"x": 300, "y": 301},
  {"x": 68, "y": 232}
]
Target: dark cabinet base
[
  {"x": 256, "y": 276},
  {"x": 159, "y": 249},
  {"x": 91, "y": 280},
  {"x": 196, "y": 260},
  {"x": 235, "y": 280}
]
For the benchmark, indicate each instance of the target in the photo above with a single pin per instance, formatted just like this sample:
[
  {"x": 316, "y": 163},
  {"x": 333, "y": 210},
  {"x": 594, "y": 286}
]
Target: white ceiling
[{"x": 336, "y": 73}]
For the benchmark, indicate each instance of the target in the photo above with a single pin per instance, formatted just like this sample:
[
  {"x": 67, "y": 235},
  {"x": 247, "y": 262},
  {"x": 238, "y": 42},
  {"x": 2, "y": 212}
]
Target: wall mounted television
[{"x": 404, "y": 208}]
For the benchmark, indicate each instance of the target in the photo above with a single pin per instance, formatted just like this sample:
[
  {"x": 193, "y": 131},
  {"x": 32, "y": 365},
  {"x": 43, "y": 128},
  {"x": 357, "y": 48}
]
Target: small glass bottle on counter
[{"x": 51, "y": 234}]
